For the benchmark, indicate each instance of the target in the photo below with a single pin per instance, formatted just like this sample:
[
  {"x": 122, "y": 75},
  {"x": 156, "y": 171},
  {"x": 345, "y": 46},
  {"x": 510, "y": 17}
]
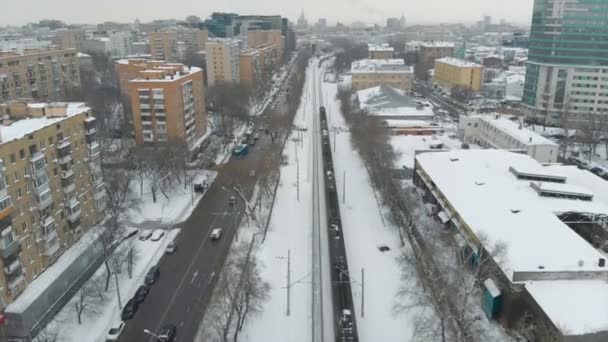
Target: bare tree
[
  {"x": 46, "y": 335},
  {"x": 81, "y": 303},
  {"x": 231, "y": 101}
]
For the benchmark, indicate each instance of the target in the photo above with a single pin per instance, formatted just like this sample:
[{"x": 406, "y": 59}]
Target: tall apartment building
[
  {"x": 173, "y": 46},
  {"x": 38, "y": 74},
  {"x": 117, "y": 44},
  {"x": 51, "y": 187},
  {"x": 454, "y": 72},
  {"x": 432, "y": 50},
  {"x": 567, "y": 66},
  {"x": 257, "y": 38},
  {"x": 70, "y": 39},
  {"x": 368, "y": 73},
  {"x": 222, "y": 60},
  {"x": 167, "y": 100},
  {"x": 249, "y": 66}
]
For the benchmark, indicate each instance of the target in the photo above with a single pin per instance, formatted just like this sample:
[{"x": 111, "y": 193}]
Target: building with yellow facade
[{"x": 454, "y": 72}]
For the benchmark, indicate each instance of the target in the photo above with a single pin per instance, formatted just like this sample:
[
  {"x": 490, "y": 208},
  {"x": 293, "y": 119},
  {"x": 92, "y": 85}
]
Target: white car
[
  {"x": 114, "y": 332},
  {"x": 171, "y": 247},
  {"x": 216, "y": 233},
  {"x": 145, "y": 235},
  {"x": 157, "y": 234}
]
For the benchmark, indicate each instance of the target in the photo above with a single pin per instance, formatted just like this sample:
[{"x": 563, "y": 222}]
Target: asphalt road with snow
[{"x": 187, "y": 277}]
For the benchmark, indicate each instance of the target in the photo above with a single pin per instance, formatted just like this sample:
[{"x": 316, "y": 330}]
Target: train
[{"x": 345, "y": 327}]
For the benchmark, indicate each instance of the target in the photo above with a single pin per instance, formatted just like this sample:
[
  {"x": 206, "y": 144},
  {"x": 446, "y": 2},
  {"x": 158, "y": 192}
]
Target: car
[
  {"x": 141, "y": 293},
  {"x": 171, "y": 247},
  {"x": 256, "y": 136},
  {"x": 252, "y": 173},
  {"x": 129, "y": 310},
  {"x": 152, "y": 275},
  {"x": 167, "y": 333},
  {"x": 115, "y": 332},
  {"x": 232, "y": 200},
  {"x": 216, "y": 233},
  {"x": 579, "y": 163},
  {"x": 598, "y": 171},
  {"x": 145, "y": 235},
  {"x": 157, "y": 234}
]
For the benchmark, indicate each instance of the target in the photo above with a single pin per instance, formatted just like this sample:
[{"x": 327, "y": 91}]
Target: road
[
  {"x": 187, "y": 277},
  {"x": 454, "y": 108}
]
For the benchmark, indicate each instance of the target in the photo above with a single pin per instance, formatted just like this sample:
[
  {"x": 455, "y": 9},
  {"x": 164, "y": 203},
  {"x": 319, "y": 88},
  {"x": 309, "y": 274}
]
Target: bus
[{"x": 240, "y": 151}]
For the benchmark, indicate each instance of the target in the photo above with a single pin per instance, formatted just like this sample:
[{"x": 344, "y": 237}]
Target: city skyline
[{"x": 78, "y": 12}]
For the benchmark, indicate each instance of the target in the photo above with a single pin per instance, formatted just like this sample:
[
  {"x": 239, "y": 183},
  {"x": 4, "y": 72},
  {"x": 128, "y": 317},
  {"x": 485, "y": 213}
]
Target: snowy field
[
  {"x": 364, "y": 232},
  {"x": 99, "y": 317},
  {"x": 289, "y": 230},
  {"x": 176, "y": 207}
]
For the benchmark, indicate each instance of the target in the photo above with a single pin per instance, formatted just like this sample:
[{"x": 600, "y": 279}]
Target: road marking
[
  {"x": 181, "y": 283},
  {"x": 194, "y": 277}
]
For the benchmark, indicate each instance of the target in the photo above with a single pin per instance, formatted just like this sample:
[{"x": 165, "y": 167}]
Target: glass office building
[{"x": 568, "y": 60}]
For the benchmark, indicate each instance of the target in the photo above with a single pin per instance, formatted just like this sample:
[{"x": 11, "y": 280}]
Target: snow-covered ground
[
  {"x": 177, "y": 207},
  {"x": 364, "y": 232},
  {"x": 289, "y": 230},
  {"x": 98, "y": 318}
]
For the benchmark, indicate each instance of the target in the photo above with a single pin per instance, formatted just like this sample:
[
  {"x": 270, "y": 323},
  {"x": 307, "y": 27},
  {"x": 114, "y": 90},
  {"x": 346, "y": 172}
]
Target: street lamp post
[{"x": 151, "y": 334}]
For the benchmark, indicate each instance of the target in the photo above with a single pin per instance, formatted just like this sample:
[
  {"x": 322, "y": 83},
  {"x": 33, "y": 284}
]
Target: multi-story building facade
[
  {"x": 117, "y": 44},
  {"x": 454, "y": 72},
  {"x": 168, "y": 103},
  {"x": 249, "y": 66},
  {"x": 432, "y": 50},
  {"x": 173, "y": 46},
  {"x": 222, "y": 60},
  {"x": 51, "y": 189},
  {"x": 257, "y": 38},
  {"x": 567, "y": 69},
  {"x": 38, "y": 74},
  {"x": 368, "y": 73}
]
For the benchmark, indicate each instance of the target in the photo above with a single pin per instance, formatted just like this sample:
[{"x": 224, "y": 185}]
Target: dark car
[
  {"x": 167, "y": 333},
  {"x": 152, "y": 275},
  {"x": 141, "y": 293},
  {"x": 129, "y": 310}
]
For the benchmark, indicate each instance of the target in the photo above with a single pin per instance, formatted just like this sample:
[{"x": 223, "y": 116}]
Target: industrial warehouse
[{"x": 552, "y": 219}]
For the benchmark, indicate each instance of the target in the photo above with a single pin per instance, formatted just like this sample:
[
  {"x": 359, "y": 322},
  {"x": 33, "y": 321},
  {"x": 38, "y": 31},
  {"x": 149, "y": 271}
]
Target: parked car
[
  {"x": 598, "y": 171},
  {"x": 145, "y": 235},
  {"x": 152, "y": 275},
  {"x": 232, "y": 200},
  {"x": 256, "y": 136},
  {"x": 157, "y": 235},
  {"x": 129, "y": 310},
  {"x": 216, "y": 233},
  {"x": 129, "y": 232},
  {"x": 167, "y": 333},
  {"x": 115, "y": 331},
  {"x": 141, "y": 293},
  {"x": 171, "y": 247},
  {"x": 579, "y": 163}
]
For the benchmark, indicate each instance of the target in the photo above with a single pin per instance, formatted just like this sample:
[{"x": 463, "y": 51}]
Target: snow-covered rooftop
[
  {"x": 383, "y": 47},
  {"x": 428, "y": 44},
  {"x": 523, "y": 135},
  {"x": 457, "y": 62},
  {"x": 20, "y": 128},
  {"x": 576, "y": 307},
  {"x": 387, "y": 101},
  {"x": 494, "y": 203},
  {"x": 380, "y": 65}
]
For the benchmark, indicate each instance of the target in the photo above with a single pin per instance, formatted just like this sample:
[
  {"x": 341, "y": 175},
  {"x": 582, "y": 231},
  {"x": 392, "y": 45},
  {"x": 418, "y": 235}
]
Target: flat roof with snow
[
  {"x": 393, "y": 102},
  {"x": 523, "y": 135},
  {"x": 380, "y": 65},
  {"x": 380, "y": 48},
  {"x": 494, "y": 203},
  {"x": 457, "y": 62},
  {"x": 432, "y": 44},
  {"x": 20, "y": 128}
]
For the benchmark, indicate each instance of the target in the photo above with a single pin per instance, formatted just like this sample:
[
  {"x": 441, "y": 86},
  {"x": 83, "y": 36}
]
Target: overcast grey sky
[{"x": 416, "y": 11}]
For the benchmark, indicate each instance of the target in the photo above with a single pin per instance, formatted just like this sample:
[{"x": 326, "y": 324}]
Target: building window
[
  {"x": 13, "y": 160},
  {"x": 22, "y": 153},
  {"x": 50, "y": 141}
]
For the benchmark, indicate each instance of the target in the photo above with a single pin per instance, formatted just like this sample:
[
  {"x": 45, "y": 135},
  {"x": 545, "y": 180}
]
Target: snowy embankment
[
  {"x": 289, "y": 230},
  {"x": 365, "y": 231},
  {"x": 175, "y": 207},
  {"x": 100, "y": 315}
]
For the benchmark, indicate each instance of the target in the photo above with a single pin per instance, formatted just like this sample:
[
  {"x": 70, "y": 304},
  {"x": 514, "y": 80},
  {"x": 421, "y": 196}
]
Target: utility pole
[
  {"x": 362, "y": 292},
  {"x": 288, "y": 280}
]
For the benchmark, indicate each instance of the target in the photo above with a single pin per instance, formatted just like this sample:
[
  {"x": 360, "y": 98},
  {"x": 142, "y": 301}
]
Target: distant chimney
[{"x": 602, "y": 262}]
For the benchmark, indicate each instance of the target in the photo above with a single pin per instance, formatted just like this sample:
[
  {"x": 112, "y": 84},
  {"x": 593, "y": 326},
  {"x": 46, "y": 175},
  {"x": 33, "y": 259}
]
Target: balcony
[
  {"x": 37, "y": 163},
  {"x": 69, "y": 187},
  {"x": 65, "y": 159},
  {"x": 74, "y": 211},
  {"x": 90, "y": 131},
  {"x": 93, "y": 150},
  {"x": 14, "y": 268},
  {"x": 45, "y": 203},
  {"x": 11, "y": 249},
  {"x": 4, "y": 213},
  {"x": 63, "y": 144},
  {"x": 66, "y": 174},
  {"x": 14, "y": 283}
]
